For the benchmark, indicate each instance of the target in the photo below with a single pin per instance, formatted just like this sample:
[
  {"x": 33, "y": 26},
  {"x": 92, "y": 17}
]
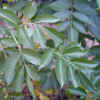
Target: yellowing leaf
[
  {"x": 89, "y": 96},
  {"x": 42, "y": 97},
  {"x": 36, "y": 92}
]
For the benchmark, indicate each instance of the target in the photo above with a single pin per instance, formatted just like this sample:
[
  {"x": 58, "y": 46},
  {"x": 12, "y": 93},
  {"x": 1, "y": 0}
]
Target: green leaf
[
  {"x": 46, "y": 58},
  {"x": 31, "y": 57},
  {"x": 17, "y": 94},
  {"x": 60, "y": 71},
  {"x": 60, "y": 5},
  {"x": 98, "y": 3},
  {"x": 9, "y": 42},
  {"x": 96, "y": 95},
  {"x": 19, "y": 80},
  {"x": 75, "y": 52},
  {"x": 84, "y": 62},
  {"x": 86, "y": 82},
  {"x": 95, "y": 31},
  {"x": 77, "y": 91},
  {"x": 4, "y": 30},
  {"x": 97, "y": 60},
  {"x": 83, "y": 18},
  {"x": 32, "y": 73},
  {"x": 55, "y": 32},
  {"x": 54, "y": 35},
  {"x": 2, "y": 55},
  {"x": 9, "y": 67},
  {"x": 46, "y": 19},
  {"x": 38, "y": 36},
  {"x": 18, "y": 5},
  {"x": 49, "y": 81},
  {"x": 30, "y": 86},
  {"x": 79, "y": 27},
  {"x": 1, "y": 94},
  {"x": 73, "y": 76},
  {"x": 30, "y": 10},
  {"x": 9, "y": 16},
  {"x": 73, "y": 34},
  {"x": 23, "y": 37},
  {"x": 94, "y": 51},
  {"x": 62, "y": 15},
  {"x": 88, "y": 10},
  {"x": 63, "y": 26},
  {"x": 11, "y": 49},
  {"x": 96, "y": 81}
]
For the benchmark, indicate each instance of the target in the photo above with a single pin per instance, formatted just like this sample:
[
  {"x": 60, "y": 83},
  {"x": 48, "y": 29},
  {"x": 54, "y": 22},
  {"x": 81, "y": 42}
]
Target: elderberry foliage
[{"x": 43, "y": 47}]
